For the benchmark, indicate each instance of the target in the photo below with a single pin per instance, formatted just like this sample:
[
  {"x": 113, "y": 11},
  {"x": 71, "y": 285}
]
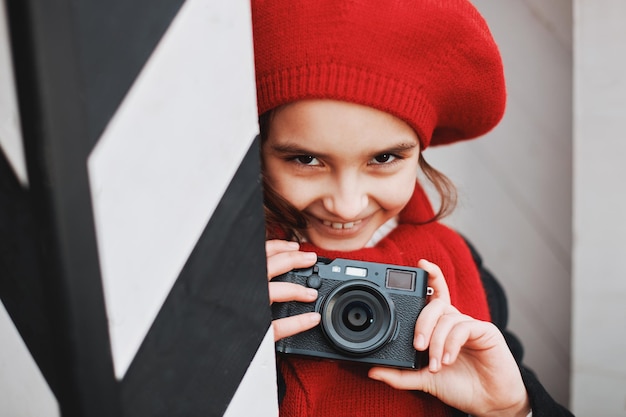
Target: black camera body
[{"x": 368, "y": 312}]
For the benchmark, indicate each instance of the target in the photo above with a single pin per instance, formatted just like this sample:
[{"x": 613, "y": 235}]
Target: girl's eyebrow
[
  {"x": 291, "y": 148},
  {"x": 399, "y": 148},
  {"x": 294, "y": 149}
]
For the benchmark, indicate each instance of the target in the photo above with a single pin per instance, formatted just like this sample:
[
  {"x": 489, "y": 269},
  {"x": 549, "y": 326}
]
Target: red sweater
[{"x": 328, "y": 388}]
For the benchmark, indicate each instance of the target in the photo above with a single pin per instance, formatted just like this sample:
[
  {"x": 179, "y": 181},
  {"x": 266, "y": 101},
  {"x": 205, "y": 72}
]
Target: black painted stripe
[
  {"x": 21, "y": 283},
  {"x": 215, "y": 317},
  {"x": 115, "y": 38},
  {"x": 51, "y": 103}
]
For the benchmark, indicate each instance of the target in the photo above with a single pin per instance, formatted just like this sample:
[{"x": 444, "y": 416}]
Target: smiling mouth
[{"x": 336, "y": 225}]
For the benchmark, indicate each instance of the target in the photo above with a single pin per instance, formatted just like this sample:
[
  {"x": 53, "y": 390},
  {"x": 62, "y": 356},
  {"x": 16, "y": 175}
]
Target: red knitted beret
[{"x": 432, "y": 63}]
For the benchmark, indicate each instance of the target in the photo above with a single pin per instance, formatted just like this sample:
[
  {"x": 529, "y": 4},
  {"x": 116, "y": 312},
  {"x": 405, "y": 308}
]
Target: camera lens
[{"x": 357, "y": 318}]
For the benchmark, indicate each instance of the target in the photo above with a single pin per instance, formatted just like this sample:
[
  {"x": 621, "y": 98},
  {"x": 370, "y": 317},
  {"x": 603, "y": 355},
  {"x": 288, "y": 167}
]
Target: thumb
[{"x": 403, "y": 378}]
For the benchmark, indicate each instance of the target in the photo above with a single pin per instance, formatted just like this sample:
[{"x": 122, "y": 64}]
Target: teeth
[{"x": 336, "y": 225}]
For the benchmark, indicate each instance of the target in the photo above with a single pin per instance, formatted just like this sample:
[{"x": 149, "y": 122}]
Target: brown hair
[{"x": 284, "y": 220}]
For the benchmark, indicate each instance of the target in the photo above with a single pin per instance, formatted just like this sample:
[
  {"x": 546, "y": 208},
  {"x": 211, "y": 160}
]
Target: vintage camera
[{"x": 368, "y": 312}]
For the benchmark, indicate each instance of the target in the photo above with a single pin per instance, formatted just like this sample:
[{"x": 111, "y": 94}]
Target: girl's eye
[
  {"x": 307, "y": 160},
  {"x": 383, "y": 158}
]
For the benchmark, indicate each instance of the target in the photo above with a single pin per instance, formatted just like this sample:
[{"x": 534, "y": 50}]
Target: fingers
[
  {"x": 436, "y": 281},
  {"x": 438, "y": 305},
  {"x": 428, "y": 320},
  {"x": 272, "y": 247},
  {"x": 450, "y": 334},
  {"x": 288, "y": 291},
  {"x": 466, "y": 333},
  {"x": 440, "y": 326},
  {"x": 289, "y": 326},
  {"x": 399, "y": 378},
  {"x": 283, "y": 256}
]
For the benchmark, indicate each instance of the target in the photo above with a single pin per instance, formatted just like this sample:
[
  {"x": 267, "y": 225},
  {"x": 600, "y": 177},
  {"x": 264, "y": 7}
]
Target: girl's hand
[
  {"x": 283, "y": 256},
  {"x": 470, "y": 365}
]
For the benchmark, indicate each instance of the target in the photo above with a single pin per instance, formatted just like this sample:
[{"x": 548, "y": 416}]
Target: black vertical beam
[
  {"x": 21, "y": 279},
  {"x": 51, "y": 102}
]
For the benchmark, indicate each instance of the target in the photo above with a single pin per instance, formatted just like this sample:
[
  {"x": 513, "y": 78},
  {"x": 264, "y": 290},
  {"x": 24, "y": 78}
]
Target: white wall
[
  {"x": 23, "y": 390},
  {"x": 515, "y": 183},
  {"x": 599, "y": 267}
]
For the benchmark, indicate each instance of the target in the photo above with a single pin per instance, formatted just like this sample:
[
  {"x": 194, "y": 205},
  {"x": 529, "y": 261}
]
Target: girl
[{"x": 350, "y": 94}]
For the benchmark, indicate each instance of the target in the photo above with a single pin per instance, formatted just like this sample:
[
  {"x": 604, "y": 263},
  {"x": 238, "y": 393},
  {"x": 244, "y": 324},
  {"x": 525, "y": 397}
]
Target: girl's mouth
[
  {"x": 336, "y": 225},
  {"x": 342, "y": 236}
]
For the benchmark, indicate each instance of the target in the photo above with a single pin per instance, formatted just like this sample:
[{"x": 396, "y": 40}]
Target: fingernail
[
  {"x": 315, "y": 317},
  {"x": 311, "y": 293},
  {"x": 420, "y": 342},
  {"x": 433, "y": 365},
  {"x": 311, "y": 255},
  {"x": 293, "y": 245},
  {"x": 446, "y": 359}
]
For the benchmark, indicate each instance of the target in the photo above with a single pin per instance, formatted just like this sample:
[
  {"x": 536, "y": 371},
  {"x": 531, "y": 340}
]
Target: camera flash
[{"x": 356, "y": 272}]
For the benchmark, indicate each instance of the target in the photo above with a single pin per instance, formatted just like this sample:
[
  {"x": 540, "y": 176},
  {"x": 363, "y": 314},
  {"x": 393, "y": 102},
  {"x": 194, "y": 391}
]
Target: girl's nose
[{"x": 347, "y": 199}]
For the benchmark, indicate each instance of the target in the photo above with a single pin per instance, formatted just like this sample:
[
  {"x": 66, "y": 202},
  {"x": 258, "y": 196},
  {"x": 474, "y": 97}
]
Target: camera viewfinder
[{"x": 400, "y": 280}]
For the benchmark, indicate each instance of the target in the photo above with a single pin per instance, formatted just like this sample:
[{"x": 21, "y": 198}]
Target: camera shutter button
[{"x": 314, "y": 281}]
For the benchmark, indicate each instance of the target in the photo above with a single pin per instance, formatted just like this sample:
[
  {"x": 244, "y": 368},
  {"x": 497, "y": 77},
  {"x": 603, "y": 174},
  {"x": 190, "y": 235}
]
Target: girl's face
[{"x": 348, "y": 168}]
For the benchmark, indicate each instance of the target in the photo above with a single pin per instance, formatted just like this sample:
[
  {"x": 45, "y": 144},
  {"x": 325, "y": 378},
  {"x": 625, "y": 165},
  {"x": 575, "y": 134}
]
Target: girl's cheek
[{"x": 298, "y": 195}]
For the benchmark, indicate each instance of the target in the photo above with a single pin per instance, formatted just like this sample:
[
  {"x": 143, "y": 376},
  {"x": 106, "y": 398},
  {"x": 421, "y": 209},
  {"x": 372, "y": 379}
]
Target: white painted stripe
[
  {"x": 257, "y": 390},
  {"x": 10, "y": 131},
  {"x": 24, "y": 391},
  {"x": 166, "y": 158}
]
